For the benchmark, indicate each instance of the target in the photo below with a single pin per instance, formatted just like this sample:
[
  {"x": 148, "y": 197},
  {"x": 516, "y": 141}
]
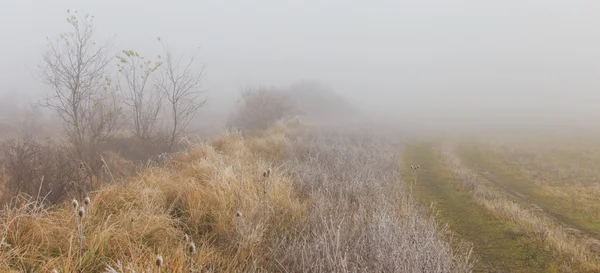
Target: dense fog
[{"x": 429, "y": 62}]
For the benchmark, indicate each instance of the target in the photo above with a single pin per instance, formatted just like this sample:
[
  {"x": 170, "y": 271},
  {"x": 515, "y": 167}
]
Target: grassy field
[
  {"x": 290, "y": 199},
  {"x": 527, "y": 201},
  {"x": 265, "y": 203},
  {"x": 560, "y": 175},
  {"x": 499, "y": 245}
]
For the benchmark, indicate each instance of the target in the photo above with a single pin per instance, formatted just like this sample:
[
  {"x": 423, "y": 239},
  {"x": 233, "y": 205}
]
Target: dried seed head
[
  {"x": 192, "y": 248},
  {"x": 186, "y": 238},
  {"x": 75, "y": 203},
  {"x": 418, "y": 166},
  {"x": 269, "y": 172},
  {"x": 412, "y": 167},
  {"x": 238, "y": 214},
  {"x": 87, "y": 201},
  {"x": 159, "y": 261},
  {"x": 81, "y": 212},
  {"x": 265, "y": 174},
  {"x": 81, "y": 165}
]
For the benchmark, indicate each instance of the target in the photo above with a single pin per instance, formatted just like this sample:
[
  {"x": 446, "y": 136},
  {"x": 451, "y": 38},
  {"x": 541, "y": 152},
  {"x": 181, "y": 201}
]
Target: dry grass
[
  {"x": 525, "y": 217},
  {"x": 361, "y": 221},
  {"x": 333, "y": 203},
  {"x": 199, "y": 194},
  {"x": 560, "y": 169}
]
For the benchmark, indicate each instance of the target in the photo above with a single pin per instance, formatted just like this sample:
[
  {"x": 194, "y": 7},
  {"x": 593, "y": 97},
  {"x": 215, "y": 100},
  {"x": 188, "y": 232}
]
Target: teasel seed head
[
  {"x": 192, "y": 248},
  {"x": 159, "y": 261}
]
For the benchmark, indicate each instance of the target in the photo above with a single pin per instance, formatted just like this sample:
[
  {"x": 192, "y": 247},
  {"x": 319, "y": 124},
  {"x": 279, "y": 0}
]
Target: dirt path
[
  {"x": 524, "y": 193},
  {"x": 498, "y": 247}
]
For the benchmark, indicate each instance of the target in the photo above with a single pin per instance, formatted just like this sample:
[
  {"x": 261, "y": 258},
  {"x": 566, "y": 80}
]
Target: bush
[
  {"x": 260, "y": 108},
  {"x": 136, "y": 149},
  {"x": 41, "y": 169}
]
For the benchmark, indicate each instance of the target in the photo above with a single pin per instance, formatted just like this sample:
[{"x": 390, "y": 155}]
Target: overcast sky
[{"x": 425, "y": 57}]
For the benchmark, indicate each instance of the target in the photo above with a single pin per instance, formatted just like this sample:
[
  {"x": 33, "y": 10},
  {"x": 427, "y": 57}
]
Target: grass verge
[
  {"x": 507, "y": 174},
  {"x": 499, "y": 246}
]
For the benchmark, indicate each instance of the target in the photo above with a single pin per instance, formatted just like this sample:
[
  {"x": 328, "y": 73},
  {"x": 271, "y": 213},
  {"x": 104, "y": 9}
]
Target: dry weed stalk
[
  {"x": 80, "y": 214},
  {"x": 186, "y": 240},
  {"x": 189, "y": 249},
  {"x": 78, "y": 220},
  {"x": 192, "y": 250},
  {"x": 266, "y": 175},
  {"x": 415, "y": 172},
  {"x": 105, "y": 168}
]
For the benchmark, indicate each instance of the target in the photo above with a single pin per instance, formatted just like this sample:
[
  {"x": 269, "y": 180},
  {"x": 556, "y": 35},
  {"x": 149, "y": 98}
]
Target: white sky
[{"x": 401, "y": 57}]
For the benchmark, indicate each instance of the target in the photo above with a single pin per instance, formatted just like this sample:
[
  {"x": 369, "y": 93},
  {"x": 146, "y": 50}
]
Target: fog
[{"x": 442, "y": 61}]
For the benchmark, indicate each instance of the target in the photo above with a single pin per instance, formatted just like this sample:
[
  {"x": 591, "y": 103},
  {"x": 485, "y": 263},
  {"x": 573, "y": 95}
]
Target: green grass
[
  {"x": 477, "y": 157},
  {"x": 498, "y": 245}
]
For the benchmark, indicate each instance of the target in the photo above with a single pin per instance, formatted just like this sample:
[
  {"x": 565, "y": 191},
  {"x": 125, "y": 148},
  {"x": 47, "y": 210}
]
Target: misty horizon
[
  {"x": 454, "y": 60},
  {"x": 288, "y": 136}
]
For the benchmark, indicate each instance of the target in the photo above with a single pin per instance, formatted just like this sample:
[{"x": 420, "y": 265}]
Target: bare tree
[
  {"x": 144, "y": 103},
  {"x": 75, "y": 66},
  {"x": 180, "y": 82}
]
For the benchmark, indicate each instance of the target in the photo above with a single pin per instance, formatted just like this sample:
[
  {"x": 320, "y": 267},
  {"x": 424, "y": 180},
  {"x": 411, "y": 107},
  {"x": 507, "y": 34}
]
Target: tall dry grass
[
  {"x": 360, "y": 219},
  {"x": 333, "y": 203}
]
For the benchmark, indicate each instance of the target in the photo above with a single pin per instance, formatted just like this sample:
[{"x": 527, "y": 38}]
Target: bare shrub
[
  {"x": 50, "y": 170},
  {"x": 137, "y": 150},
  {"x": 42, "y": 170},
  {"x": 260, "y": 108}
]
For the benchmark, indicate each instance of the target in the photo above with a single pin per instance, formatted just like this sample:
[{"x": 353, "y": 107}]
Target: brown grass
[{"x": 325, "y": 209}]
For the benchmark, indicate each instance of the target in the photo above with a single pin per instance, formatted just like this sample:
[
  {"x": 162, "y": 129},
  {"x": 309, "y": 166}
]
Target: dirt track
[
  {"x": 497, "y": 247},
  {"x": 525, "y": 196}
]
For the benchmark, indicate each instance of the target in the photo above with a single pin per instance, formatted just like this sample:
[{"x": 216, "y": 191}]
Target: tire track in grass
[
  {"x": 497, "y": 246},
  {"x": 525, "y": 192}
]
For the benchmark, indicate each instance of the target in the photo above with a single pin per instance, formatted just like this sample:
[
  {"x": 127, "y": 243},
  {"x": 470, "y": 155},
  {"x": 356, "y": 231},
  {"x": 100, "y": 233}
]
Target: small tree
[
  {"x": 180, "y": 82},
  {"x": 144, "y": 103},
  {"x": 75, "y": 67}
]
